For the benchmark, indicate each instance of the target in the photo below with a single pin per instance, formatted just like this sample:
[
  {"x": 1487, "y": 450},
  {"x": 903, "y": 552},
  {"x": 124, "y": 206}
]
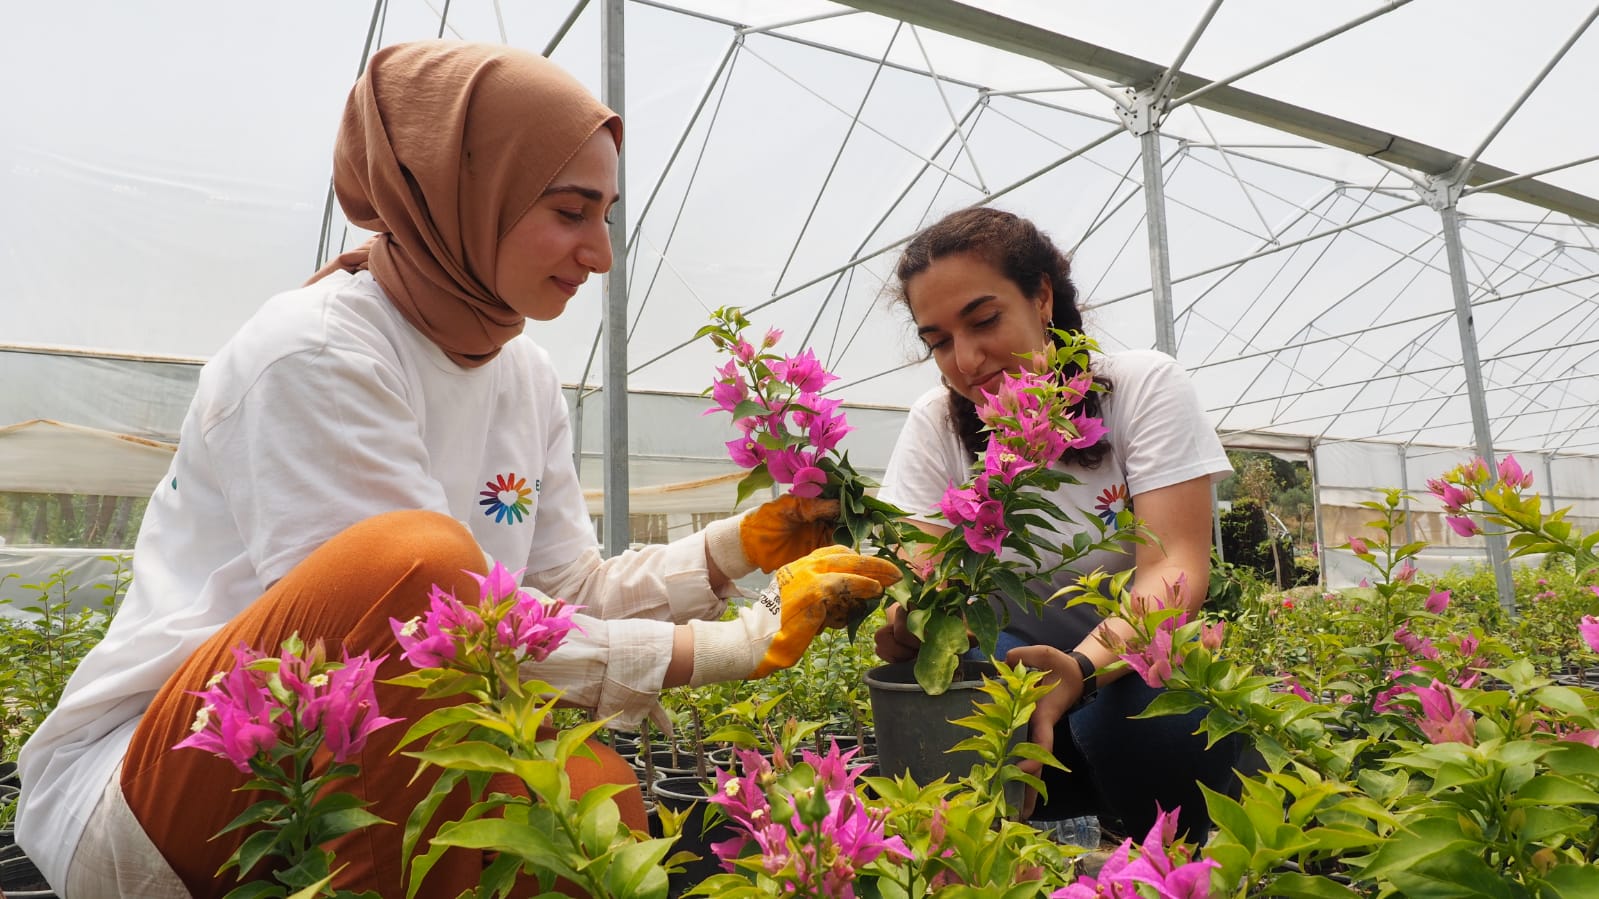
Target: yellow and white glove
[
  {"x": 771, "y": 535},
  {"x": 819, "y": 590}
]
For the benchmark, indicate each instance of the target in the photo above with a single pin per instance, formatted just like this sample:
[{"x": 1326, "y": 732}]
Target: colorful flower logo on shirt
[
  {"x": 506, "y": 499},
  {"x": 1111, "y": 501}
]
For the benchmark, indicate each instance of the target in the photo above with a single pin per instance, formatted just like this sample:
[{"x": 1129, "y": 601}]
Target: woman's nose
[
  {"x": 968, "y": 357},
  {"x": 594, "y": 253}
]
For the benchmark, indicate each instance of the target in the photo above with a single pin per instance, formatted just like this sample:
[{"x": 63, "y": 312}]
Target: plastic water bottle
[{"x": 1082, "y": 831}]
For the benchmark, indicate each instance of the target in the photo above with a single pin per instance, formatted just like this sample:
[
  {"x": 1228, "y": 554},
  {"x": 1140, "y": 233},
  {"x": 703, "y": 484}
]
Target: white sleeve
[
  {"x": 1159, "y": 428},
  {"x": 927, "y": 458},
  {"x": 630, "y": 601},
  {"x": 611, "y": 667},
  {"x": 322, "y": 439}
]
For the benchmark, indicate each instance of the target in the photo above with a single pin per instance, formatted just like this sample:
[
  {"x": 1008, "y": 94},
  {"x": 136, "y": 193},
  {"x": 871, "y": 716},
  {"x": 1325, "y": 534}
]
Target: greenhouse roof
[{"x": 167, "y": 169}]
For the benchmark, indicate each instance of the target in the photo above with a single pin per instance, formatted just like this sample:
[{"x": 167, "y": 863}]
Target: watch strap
[{"x": 1086, "y": 666}]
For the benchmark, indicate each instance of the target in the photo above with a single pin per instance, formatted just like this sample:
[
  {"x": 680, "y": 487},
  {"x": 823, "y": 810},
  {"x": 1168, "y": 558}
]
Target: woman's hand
[
  {"x": 1067, "y": 681},
  {"x": 787, "y": 529},
  {"x": 895, "y": 642}
]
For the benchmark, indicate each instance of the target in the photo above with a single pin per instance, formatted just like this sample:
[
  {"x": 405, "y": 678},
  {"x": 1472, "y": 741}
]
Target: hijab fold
[{"x": 443, "y": 147}]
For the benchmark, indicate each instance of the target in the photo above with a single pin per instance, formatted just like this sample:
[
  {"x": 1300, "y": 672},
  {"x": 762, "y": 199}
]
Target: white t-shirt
[
  {"x": 1158, "y": 437},
  {"x": 325, "y": 409}
]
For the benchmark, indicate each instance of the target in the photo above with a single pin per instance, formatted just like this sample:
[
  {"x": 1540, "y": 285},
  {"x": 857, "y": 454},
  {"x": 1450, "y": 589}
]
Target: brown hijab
[{"x": 443, "y": 146}]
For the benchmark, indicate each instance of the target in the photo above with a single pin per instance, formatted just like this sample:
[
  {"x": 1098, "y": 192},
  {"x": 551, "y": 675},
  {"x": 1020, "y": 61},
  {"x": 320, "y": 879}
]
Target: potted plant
[{"x": 1003, "y": 526}]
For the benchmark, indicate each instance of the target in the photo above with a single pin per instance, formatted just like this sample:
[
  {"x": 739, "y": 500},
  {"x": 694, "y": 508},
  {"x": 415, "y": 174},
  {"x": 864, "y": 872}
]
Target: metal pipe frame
[{"x": 617, "y": 525}]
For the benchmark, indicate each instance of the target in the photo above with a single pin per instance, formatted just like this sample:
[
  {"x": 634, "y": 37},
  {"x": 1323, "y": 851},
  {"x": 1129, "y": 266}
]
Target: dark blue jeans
[
  {"x": 1121, "y": 768},
  {"x": 1126, "y": 770}
]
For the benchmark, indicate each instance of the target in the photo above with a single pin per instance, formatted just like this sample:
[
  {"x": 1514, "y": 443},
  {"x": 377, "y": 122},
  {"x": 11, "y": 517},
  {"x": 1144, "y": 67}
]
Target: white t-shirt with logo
[
  {"x": 325, "y": 409},
  {"x": 1158, "y": 437}
]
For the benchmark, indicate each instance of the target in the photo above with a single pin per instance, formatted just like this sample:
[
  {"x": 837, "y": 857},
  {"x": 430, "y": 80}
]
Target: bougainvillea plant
[
  {"x": 271, "y": 717},
  {"x": 1419, "y": 764},
  {"x": 1004, "y": 530},
  {"x": 483, "y": 649}
]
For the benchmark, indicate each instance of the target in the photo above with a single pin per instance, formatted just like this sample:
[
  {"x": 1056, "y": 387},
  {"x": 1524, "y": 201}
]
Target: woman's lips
[{"x": 989, "y": 383}]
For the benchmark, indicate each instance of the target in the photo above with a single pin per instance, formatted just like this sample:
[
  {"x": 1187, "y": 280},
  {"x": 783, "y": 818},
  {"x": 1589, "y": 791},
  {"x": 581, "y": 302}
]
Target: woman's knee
[{"x": 407, "y": 541}]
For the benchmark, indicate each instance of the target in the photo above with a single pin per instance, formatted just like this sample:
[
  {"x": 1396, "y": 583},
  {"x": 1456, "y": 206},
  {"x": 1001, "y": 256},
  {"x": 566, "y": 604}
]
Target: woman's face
[
  {"x": 563, "y": 237},
  {"x": 976, "y": 322}
]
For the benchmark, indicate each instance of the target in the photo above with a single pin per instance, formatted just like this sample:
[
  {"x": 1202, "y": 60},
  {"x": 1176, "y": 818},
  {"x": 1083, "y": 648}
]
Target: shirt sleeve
[
  {"x": 611, "y": 668},
  {"x": 631, "y": 603},
  {"x": 1159, "y": 430}
]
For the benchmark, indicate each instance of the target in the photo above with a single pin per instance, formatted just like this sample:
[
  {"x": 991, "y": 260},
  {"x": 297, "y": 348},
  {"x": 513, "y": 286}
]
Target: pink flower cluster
[
  {"x": 1443, "y": 719},
  {"x": 505, "y": 618},
  {"x": 242, "y": 716},
  {"x": 1031, "y": 415},
  {"x": 1160, "y": 869},
  {"x": 974, "y": 509},
  {"x": 1031, "y": 425},
  {"x": 1153, "y": 659},
  {"x": 822, "y": 852},
  {"x": 1457, "y": 489},
  {"x": 776, "y": 404}
]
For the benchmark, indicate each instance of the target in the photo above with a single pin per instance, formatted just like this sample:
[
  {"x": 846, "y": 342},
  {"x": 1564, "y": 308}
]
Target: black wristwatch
[{"x": 1090, "y": 681}]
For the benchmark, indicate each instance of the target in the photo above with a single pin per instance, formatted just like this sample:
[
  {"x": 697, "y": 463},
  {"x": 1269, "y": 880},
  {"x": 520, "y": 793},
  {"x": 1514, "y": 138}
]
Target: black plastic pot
[
  {"x": 20, "y": 878},
  {"x": 678, "y": 794},
  {"x": 9, "y": 776},
  {"x": 663, "y": 764},
  {"x": 914, "y": 729}
]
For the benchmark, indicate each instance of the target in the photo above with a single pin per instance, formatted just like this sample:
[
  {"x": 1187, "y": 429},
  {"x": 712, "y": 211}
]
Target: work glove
[
  {"x": 772, "y": 535},
  {"x": 823, "y": 589}
]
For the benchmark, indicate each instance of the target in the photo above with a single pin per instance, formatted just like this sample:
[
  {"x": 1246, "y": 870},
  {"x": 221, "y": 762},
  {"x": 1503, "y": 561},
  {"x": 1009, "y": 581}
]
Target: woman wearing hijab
[{"x": 380, "y": 430}]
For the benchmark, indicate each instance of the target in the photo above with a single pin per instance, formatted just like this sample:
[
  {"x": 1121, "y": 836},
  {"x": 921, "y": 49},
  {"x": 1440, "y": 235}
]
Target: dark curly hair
[{"x": 1029, "y": 259}]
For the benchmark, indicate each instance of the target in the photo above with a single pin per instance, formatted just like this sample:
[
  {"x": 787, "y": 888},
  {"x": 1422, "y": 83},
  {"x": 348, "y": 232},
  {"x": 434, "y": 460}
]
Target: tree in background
[
  {"x": 1265, "y": 488},
  {"x": 61, "y": 519}
]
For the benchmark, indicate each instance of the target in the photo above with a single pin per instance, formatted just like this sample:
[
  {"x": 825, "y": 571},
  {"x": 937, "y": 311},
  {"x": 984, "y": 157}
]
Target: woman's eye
[
  {"x": 934, "y": 346},
  {"x": 571, "y": 216},
  {"x": 988, "y": 322}
]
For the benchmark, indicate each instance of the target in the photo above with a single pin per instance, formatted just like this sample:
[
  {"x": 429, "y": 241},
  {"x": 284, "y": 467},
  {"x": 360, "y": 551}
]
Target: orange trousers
[{"x": 344, "y": 594}]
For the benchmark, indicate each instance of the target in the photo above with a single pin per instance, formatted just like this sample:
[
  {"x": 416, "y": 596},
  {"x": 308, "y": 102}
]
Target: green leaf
[
  {"x": 1552, "y": 789},
  {"x": 1230, "y": 817},
  {"x": 337, "y": 824},
  {"x": 1338, "y": 838},
  {"x": 758, "y": 479},
  {"x": 984, "y": 625},
  {"x": 1561, "y": 699},
  {"x": 1543, "y": 825},
  {"x": 635, "y": 870},
  {"x": 471, "y": 756},
  {"x": 439, "y": 719},
  {"x": 261, "y": 811},
  {"x": 1433, "y": 858},
  {"x": 523, "y": 840},
  {"x": 940, "y": 652},
  {"x": 598, "y": 820},
  {"x": 1572, "y": 882},
  {"x": 260, "y": 889},
  {"x": 1305, "y": 886},
  {"x": 1571, "y": 759},
  {"x": 1172, "y": 702},
  {"x": 256, "y": 847}
]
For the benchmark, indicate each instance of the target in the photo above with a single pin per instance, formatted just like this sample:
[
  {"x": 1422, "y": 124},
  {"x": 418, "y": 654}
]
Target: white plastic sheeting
[{"x": 1350, "y": 473}]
